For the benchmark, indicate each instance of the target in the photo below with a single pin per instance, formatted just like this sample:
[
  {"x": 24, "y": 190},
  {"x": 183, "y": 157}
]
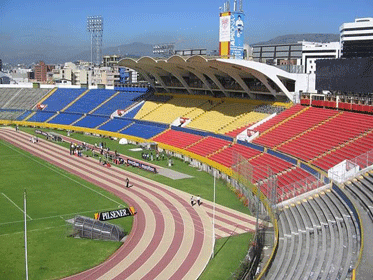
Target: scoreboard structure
[{"x": 231, "y": 32}]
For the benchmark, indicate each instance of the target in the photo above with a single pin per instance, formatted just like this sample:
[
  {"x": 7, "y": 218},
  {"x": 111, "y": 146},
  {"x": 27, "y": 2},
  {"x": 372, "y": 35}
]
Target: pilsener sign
[{"x": 115, "y": 214}]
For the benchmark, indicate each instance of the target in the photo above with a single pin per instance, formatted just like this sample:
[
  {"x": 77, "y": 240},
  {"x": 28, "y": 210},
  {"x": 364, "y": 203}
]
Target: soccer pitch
[{"x": 53, "y": 196}]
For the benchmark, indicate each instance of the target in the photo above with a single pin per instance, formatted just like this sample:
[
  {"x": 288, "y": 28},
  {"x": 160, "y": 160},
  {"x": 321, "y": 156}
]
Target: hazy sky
[{"x": 44, "y": 25}]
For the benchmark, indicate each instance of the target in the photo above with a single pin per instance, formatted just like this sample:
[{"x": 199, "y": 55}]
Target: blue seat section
[
  {"x": 132, "y": 89},
  {"x": 90, "y": 100},
  {"x": 41, "y": 116},
  {"x": 23, "y": 116},
  {"x": 133, "y": 112},
  {"x": 115, "y": 124},
  {"x": 121, "y": 102},
  {"x": 91, "y": 121},
  {"x": 62, "y": 97},
  {"x": 143, "y": 130},
  {"x": 66, "y": 118}
]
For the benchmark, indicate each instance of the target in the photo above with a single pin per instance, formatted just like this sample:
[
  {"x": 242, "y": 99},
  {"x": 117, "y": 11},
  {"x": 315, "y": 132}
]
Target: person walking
[
  {"x": 199, "y": 200},
  {"x": 192, "y": 201}
]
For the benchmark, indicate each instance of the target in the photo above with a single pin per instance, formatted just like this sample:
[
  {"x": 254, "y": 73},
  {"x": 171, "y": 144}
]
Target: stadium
[{"x": 204, "y": 152}]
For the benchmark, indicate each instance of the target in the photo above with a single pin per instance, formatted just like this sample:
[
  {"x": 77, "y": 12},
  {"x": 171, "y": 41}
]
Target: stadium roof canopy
[{"x": 214, "y": 76}]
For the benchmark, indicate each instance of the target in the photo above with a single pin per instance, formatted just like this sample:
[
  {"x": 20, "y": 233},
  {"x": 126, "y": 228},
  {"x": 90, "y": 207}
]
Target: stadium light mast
[{"x": 95, "y": 26}]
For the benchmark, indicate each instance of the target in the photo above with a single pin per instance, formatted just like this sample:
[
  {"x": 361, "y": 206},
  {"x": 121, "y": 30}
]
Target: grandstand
[{"x": 296, "y": 144}]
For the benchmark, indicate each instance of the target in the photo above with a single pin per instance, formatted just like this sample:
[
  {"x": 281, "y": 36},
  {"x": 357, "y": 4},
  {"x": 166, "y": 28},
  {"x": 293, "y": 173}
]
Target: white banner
[{"x": 225, "y": 28}]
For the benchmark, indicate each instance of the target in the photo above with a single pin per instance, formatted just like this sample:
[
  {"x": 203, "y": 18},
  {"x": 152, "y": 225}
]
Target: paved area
[
  {"x": 172, "y": 174},
  {"x": 170, "y": 239}
]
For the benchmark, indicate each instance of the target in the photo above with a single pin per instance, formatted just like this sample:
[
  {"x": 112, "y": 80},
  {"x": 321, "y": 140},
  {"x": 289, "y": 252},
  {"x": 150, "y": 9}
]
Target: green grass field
[
  {"x": 53, "y": 196},
  {"x": 228, "y": 251},
  {"x": 201, "y": 183}
]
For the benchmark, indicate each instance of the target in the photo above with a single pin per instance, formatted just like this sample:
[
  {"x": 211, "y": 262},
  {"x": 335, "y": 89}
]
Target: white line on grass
[
  {"x": 16, "y": 205},
  {"x": 62, "y": 215},
  {"x": 37, "y": 229},
  {"x": 57, "y": 171}
]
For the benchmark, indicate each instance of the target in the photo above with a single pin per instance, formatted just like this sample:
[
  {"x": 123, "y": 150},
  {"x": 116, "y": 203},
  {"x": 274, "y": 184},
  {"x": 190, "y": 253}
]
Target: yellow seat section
[
  {"x": 244, "y": 120},
  {"x": 172, "y": 109},
  {"x": 220, "y": 116},
  {"x": 200, "y": 110},
  {"x": 147, "y": 108}
]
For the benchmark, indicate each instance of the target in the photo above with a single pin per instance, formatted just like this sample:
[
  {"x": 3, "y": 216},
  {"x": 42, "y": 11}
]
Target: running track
[{"x": 169, "y": 239}]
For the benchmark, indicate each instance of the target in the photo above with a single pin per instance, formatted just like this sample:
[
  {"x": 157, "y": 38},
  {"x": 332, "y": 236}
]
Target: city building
[
  {"x": 110, "y": 60},
  {"x": 41, "y": 71},
  {"x": 297, "y": 57},
  {"x": 126, "y": 76},
  {"x": 357, "y": 38},
  {"x": 1, "y": 65},
  {"x": 4, "y": 79}
]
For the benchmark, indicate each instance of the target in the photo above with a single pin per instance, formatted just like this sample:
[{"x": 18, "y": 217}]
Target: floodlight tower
[{"x": 95, "y": 26}]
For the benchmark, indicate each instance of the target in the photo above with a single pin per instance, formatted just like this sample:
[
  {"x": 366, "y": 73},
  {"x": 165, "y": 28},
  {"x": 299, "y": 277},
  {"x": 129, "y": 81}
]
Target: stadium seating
[
  {"x": 133, "y": 112},
  {"x": 61, "y": 98},
  {"x": 119, "y": 102},
  {"x": 142, "y": 130},
  {"x": 10, "y": 114},
  {"x": 172, "y": 109},
  {"x": 221, "y": 116},
  {"x": 331, "y": 134},
  {"x": 177, "y": 139},
  {"x": 208, "y": 145},
  {"x": 151, "y": 104},
  {"x": 226, "y": 156},
  {"x": 235, "y": 132},
  {"x": 91, "y": 121},
  {"x": 20, "y": 98},
  {"x": 317, "y": 240},
  {"x": 295, "y": 126},
  {"x": 289, "y": 113},
  {"x": 361, "y": 188},
  {"x": 90, "y": 100},
  {"x": 202, "y": 108},
  {"x": 41, "y": 116},
  {"x": 348, "y": 150},
  {"x": 245, "y": 120},
  {"x": 24, "y": 115},
  {"x": 65, "y": 118},
  {"x": 115, "y": 124}
]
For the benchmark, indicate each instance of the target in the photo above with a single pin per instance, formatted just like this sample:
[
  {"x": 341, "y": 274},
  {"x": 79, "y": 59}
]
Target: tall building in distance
[
  {"x": 41, "y": 71},
  {"x": 297, "y": 57},
  {"x": 357, "y": 38},
  {"x": 1, "y": 65},
  {"x": 231, "y": 31},
  {"x": 95, "y": 26}
]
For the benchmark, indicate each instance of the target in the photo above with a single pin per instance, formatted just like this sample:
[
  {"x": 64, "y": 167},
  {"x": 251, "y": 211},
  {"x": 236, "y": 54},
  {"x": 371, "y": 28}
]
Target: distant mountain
[
  {"x": 66, "y": 54},
  {"x": 129, "y": 50},
  {"x": 294, "y": 38}
]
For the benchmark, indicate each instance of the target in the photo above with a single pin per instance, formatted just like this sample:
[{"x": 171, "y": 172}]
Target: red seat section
[
  {"x": 226, "y": 156},
  {"x": 295, "y": 126},
  {"x": 280, "y": 117},
  {"x": 237, "y": 131},
  {"x": 208, "y": 145},
  {"x": 177, "y": 139},
  {"x": 349, "y": 151},
  {"x": 328, "y": 136},
  {"x": 261, "y": 164}
]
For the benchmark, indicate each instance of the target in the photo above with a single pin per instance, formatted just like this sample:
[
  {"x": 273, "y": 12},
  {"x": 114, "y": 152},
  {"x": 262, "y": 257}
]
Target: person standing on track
[{"x": 128, "y": 183}]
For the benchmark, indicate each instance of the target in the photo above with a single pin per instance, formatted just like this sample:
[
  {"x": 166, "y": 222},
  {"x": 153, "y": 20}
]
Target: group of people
[
  {"x": 151, "y": 157},
  {"x": 34, "y": 139},
  {"x": 195, "y": 200},
  {"x": 77, "y": 149}
]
